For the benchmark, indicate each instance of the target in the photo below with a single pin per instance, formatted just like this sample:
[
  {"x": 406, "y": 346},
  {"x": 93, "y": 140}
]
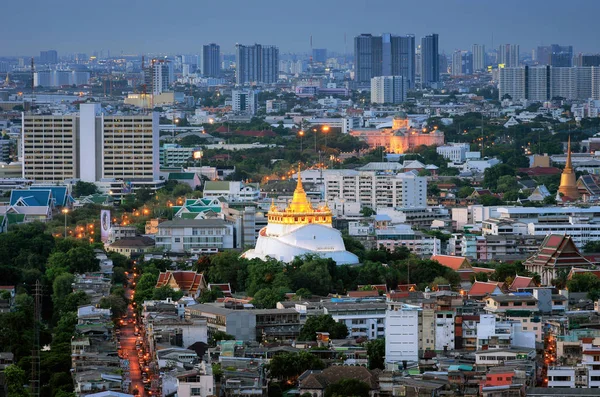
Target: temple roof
[{"x": 558, "y": 250}]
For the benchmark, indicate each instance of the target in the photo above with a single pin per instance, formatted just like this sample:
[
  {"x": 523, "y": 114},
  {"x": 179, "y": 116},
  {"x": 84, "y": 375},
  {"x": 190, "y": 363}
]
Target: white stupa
[{"x": 298, "y": 230}]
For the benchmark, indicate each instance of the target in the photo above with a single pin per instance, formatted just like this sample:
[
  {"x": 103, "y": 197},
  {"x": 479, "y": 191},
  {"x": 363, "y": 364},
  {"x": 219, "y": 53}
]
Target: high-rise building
[
  {"x": 542, "y": 55},
  {"x": 388, "y": 89},
  {"x": 385, "y": 55},
  {"x": 586, "y": 60},
  {"x": 211, "y": 60},
  {"x": 508, "y": 55},
  {"x": 256, "y": 64},
  {"x": 561, "y": 56},
  {"x": 159, "y": 76},
  {"x": 319, "y": 55},
  {"x": 462, "y": 63},
  {"x": 244, "y": 101},
  {"x": 430, "y": 60},
  {"x": 368, "y": 60},
  {"x": 90, "y": 146},
  {"x": 543, "y": 83},
  {"x": 59, "y": 78},
  {"x": 49, "y": 57},
  {"x": 479, "y": 58}
]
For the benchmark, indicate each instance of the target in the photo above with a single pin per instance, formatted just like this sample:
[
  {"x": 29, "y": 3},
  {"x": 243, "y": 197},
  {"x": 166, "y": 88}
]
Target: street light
[
  {"x": 65, "y": 211},
  {"x": 175, "y": 121},
  {"x": 301, "y": 133},
  {"x": 325, "y": 130}
]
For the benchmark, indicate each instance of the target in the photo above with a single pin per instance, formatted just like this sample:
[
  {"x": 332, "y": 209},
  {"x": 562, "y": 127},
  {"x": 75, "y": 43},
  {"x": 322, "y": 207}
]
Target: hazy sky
[{"x": 182, "y": 26}]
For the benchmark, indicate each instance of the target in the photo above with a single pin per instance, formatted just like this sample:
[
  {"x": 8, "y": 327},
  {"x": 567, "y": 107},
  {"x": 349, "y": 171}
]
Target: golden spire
[
  {"x": 568, "y": 165},
  {"x": 568, "y": 182},
  {"x": 299, "y": 184},
  {"x": 273, "y": 207},
  {"x": 300, "y": 203}
]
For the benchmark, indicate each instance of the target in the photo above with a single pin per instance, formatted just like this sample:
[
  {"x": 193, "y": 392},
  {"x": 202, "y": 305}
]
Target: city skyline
[{"x": 459, "y": 24}]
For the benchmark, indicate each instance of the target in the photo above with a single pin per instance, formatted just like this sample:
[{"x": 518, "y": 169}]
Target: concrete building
[
  {"x": 444, "y": 331},
  {"x": 90, "y": 146},
  {"x": 508, "y": 55},
  {"x": 366, "y": 320},
  {"x": 388, "y": 89},
  {"x": 430, "y": 74},
  {"x": 159, "y": 76},
  {"x": 401, "y": 333},
  {"x": 375, "y": 189},
  {"x": 239, "y": 323},
  {"x": 462, "y": 63},
  {"x": 174, "y": 155},
  {"x": 479, "y": 57},
  {"x": 189, "y": 235},
  {"x": 244, "y": 101},
  {"x": 455, "y": 152},
  {"x": 210, "y": 60},
  {"x": 232, "y": 191},
  {"x": 256, "y": 64},
  {"x": 60, "y": 78}
]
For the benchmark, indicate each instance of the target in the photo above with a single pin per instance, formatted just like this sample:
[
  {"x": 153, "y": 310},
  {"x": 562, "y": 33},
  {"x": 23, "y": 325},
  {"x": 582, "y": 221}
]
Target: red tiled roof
[
  {"x": 256, "y": 134},
  {"x": 480, "y": 288},
  {"x": 453, "y": 262},
  {"x": 225, "y": 288},
  {"x": 482, "y": 270},
  {"x": 7, "y": 287},
  {"x": 558, "y": 250},
  {"x": 521, "y": 282},
  {"x": 577, "y": 270},
  {"x": 188, "y": 281},
  {"x": 406, "y": 287},
  {"x": 539, "y": 171}
]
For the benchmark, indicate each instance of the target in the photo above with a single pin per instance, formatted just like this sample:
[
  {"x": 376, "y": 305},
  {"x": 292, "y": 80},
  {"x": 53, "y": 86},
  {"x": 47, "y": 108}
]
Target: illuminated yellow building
[{"x": 298, "y": 230}]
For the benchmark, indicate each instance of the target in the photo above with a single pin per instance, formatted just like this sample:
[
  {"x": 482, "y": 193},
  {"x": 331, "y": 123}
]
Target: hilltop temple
[
  {"x": 298, "y": 230},
  {"x": 568, "y": 191},
  {"x": 401, "y": 138}
]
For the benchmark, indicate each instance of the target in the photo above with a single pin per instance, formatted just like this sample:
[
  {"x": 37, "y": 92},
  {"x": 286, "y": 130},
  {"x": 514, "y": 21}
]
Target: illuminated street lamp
[
  {"x": 65, "y": 211},
  {"x": 301, "y": 134}
]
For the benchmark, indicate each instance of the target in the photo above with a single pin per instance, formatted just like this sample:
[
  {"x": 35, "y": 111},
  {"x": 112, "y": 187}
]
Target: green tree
[
  {"x": 82, "y": 188},
  {"x": 228, "y": 267},
  {"x": 182, "y": 189},
  {"x": 116, "y": 303},
  {"x": 437, "y": 282},
  {"x": 218, "y": 336},
  {"x": 288, "y": 366},
  {"x": 583, "y": 282},
  {"x": 165, "y": 292},
  {"x": 507, "y": 183},
  {"x": 14, "y": 378},
  {"x": 210, "y": 295},
  {"x": 465, "y": 191},
  {"x": 265, "y": 274},
  {"x": 322, "y": 323},
  {"x": 591, "y": 247},
  {"x": 348, "y": 388},
  {"x": 75, "y": 299},
  {"x": 312, "y": 273},
  {"x": 376, "y": 353},
  {"x": 267, "y": 298},
  {"x": 492, "y": 175},
  {"x": 367, "y": 212}
]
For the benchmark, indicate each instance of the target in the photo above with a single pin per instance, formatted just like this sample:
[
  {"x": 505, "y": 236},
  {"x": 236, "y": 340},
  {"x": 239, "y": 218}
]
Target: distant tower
[{"x": 568, "y": 181}]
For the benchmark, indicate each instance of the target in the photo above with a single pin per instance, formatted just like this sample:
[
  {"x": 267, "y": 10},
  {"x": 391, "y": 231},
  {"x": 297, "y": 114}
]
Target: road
[{"x": 128, "y": 347}]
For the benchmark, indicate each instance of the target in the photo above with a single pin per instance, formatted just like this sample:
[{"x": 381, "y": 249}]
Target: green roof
[
  {"x": 15, "y": 218},
  {"x": 181, "y": 175},
  {"x": 216, "y": 185}
]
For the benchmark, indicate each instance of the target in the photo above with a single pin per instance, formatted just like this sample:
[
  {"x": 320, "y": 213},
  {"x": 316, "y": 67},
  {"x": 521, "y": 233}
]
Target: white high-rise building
[
  {"x": 244, "y": 101},
  {"x": 511, "y": 82},
  {"x": 376, "y": 189},
  {"x": 479, "y": 61},
  {"x": 538, "y": 83},
  {"x": 159, "y": 76},
  {"x": 401, "y": 333},
  {"x": 388, "y": 89},
  {"x": 508, "y": 55},
  {"x": 90, "y": 146}
]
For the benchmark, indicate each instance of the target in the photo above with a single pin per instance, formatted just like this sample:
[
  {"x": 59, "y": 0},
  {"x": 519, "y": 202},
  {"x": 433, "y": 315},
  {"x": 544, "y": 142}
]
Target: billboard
[{"x": 104, "y": 225}]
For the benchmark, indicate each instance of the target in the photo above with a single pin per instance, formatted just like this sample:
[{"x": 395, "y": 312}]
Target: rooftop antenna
[
  {"x": 32, "y": 83},
  {"x": 311, "y": 58}
]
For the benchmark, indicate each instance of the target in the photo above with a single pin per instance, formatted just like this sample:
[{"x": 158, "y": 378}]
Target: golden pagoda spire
[
  {"x": 299, "y": 184},
  {"x": 568, "y": 182},
  {"x": 300, "y": 203}
]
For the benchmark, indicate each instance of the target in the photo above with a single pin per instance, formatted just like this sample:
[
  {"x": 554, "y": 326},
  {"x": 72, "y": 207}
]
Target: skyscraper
[
  {"x": 49, "y": 57},
  {"x": 479, "y": 61},
  {"x": 159, "y": 76},
  {"x": 256, "y": 64},
  {"x": 508, "y": 55},
  {"x": 385, "y": 55},
  {"x": 462, "y": 63},
  {"x": 561, "y": 56},
  {"x": 368, "y": 54},
  {"x": 388, "y": 89},
  {"x": 211, "y": 60},
  {"x": 430, "y": 60}
]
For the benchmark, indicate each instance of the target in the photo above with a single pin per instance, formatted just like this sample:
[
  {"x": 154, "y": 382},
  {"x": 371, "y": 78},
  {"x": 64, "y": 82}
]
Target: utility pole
[{"x": 34, "y": 386}]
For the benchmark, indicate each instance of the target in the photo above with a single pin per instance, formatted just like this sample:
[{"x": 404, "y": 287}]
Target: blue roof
[
  {"x": 31, "y": 197},
  {"x": 460, "y": 367},
  {"x": 522, "y": 294},
  {"x": 59, "y": 193}
]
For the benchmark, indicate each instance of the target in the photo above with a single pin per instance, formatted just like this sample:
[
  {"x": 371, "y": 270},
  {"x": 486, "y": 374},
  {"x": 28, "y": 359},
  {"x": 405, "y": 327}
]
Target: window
[
  {"x": 195, "y": 391},
  {"x": 177, "y": 239}
]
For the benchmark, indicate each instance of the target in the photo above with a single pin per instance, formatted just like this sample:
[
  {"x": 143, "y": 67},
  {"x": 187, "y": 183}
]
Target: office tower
[
  {"x": 159, "y": 76},
  {"x": 561, "y": 56},
  {"x": 368, "y": 54},
  {"x": 49, "y": 145},
  {"x": 479, "y": 61},
  {"x": 256, "y": 64},
  {"x": 542, "y": 55},
  {"x": 462, "y": 63},
  {"x": 587, "y": 60},
  {"x": 210, "y": 61},
  {"x": 388, "y": 89},
  {"x": 508, "y": 55},
  {"x": 90, "y": 146},
  {"x": 244, "y": 101},
  {"x": 319, "y": 55},
  {"x": 49, "y": 57},
  {"x": 430, "y": 60},
  {"x": 385, "y": 55}
]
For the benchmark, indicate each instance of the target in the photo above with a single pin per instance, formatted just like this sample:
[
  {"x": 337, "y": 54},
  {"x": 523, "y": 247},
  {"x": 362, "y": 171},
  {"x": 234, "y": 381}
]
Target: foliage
[
  {"x": 286, "y": 366},
  {"x": 348, "y": 388},
  {"x": 322, "y": 323},
  {"x": 116, "y": 303},
  {"x": 219, "y": 336},
  {"x": 583, "y": 282},
  {"x": 165, "y": 292},
  {"x": 376, "y": 353},
  {"x": 15, "y": 379},
  {"x": 492, "y": 175},
  {"x": 82, "y": 188},
  {"x": 265, "y": 274},
  {"x": 267, "y": 298},
  {"x": 591, "y": 247},
  {"x": 210, "y": 295},
  {"x": 503, "y": 271}
]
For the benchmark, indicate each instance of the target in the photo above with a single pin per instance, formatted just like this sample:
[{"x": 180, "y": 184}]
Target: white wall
[
  {"x": 87, "y": 141},
  {"x": 401, "y": 335}
]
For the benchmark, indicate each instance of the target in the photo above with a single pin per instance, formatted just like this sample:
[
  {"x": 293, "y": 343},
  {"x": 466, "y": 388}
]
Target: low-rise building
[
  {"x": 365, "y": 320},
  {"x": 194, "y": 235}
]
